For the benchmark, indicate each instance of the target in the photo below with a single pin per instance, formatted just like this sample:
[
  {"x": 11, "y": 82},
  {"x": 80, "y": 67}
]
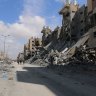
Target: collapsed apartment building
[
  {"x": 74, "y": 40},
  {"x": 74, "y": 25},
  {"x": 32, "y": 47}
]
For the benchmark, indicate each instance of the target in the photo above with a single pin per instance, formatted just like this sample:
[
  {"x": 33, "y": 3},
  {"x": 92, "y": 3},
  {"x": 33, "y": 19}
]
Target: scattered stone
[{"x": 10, "y": 78}]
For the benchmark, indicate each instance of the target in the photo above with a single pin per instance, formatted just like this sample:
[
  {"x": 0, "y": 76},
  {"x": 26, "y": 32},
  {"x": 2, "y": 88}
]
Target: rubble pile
[
  {"x": 4, "y": 67},
  {"x": 74, "y": 67},
  {"x": 5, "y": 70},
  {"x": 41, "y": 62}
]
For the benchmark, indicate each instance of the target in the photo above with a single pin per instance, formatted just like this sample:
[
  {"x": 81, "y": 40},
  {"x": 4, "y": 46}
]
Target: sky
[{"x": 22, "y": 19}]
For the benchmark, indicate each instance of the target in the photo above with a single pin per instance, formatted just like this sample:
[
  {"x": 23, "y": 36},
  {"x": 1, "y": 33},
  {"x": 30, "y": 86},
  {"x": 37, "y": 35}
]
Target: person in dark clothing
[{"x": 51, "y": 60}]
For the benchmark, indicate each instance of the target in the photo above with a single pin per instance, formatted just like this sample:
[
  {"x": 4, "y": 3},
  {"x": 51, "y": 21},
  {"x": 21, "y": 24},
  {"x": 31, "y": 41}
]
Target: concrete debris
[{"x": 75, "y": 66}]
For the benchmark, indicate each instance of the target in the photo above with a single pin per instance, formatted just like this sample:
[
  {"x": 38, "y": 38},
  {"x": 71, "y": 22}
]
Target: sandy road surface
[
  {"x": 30, "y": 83},
  {"x": 32, "y": 80},
  {"x": 20, "y": 82}
]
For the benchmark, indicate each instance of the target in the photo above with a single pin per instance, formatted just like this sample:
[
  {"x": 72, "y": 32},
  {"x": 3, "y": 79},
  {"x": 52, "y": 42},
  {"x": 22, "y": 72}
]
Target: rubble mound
[
  {"x": 75, "y": 67},
  {"x": 40, "y": 62}
]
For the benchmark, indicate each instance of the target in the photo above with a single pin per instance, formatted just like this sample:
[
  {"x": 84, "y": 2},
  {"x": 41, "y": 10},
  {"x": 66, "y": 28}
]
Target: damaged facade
[{"x": 31, "y": 47}]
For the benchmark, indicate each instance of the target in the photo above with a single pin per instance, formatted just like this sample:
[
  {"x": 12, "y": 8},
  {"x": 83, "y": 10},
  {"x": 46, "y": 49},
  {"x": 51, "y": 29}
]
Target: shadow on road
[{"x": 34, "y": 76}]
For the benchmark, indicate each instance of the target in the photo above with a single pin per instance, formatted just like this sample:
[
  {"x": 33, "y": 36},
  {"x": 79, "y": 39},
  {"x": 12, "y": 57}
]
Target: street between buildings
[{"x": 33, "y": 80}]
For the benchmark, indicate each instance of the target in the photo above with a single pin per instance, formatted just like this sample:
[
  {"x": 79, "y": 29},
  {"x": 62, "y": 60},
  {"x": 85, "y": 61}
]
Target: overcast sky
[{"x": 25, "y": 18}]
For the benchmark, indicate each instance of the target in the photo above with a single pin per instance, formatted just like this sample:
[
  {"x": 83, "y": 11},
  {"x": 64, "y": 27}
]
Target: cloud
[
  {"x": 33, "y": 7},
  {"x": 25, "y": 28},
  {"x": 29, "y": 24}
]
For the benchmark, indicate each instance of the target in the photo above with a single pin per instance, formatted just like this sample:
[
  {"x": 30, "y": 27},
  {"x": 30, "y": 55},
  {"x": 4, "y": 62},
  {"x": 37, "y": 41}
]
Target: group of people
[{"x": 20, "y": 60}]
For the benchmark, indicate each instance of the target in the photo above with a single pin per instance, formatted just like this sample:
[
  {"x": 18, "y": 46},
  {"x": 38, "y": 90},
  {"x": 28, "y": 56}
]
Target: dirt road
[{"x": 33, "y": 80}]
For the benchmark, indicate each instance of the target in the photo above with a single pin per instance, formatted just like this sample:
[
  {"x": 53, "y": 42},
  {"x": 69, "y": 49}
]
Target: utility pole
[{"x": 5, "y": 36}]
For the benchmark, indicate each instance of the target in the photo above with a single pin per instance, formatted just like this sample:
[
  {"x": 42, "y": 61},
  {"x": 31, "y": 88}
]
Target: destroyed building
[
  {"x": 46, "y": 38},
  {"x": 67, "y": 12},
  {"x": 74, "y": 25},
  {"x": 85, "y": 47},
  {"x": 92, "y": 22},
  {"x": 26, "y": 51},
  {"x": 78, "y": 29},
  {"x": 75, "y": 38},
  {"x": 79, "y": 23},
  {"x": 32, "y": 46},
  {"x": 92, "y": 12}
]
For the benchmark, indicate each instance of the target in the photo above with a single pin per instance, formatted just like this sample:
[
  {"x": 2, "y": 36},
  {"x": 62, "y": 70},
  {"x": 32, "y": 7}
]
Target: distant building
[
  {"x": 26, "y": 51},
  {"x": 31, "y": 47},
  {"x": 31, "y": 44}
]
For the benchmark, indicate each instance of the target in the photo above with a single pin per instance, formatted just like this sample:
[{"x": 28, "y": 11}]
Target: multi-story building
[
  {"x": 67, "y": 12},
  {"x": 91, "y": 5},
  {"x": 38, "y": 42},
  {"x": 75, "y": 21},
  {"x": 31, "y": 47},
  {"x": 79, "y": 23},
  {"x": 26, "y": 50},
  {"x": 31, "y": 44},
  {"x": 92, "y": 22},
  {"x": 74, "y": 25},
  {"x": 46, "y": 38},
  {"x": 92, "y": 12}
]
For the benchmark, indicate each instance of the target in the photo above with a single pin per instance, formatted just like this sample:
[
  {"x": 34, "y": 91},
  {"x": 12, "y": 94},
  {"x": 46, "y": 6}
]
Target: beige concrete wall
[
  {"x": 74, "y": 7},
  {"x": 94, "y": 4},
  {"x": 31, "y": 44},
  {"x": 89, "y": 4},
  {"x": 92, "y": 38}
]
